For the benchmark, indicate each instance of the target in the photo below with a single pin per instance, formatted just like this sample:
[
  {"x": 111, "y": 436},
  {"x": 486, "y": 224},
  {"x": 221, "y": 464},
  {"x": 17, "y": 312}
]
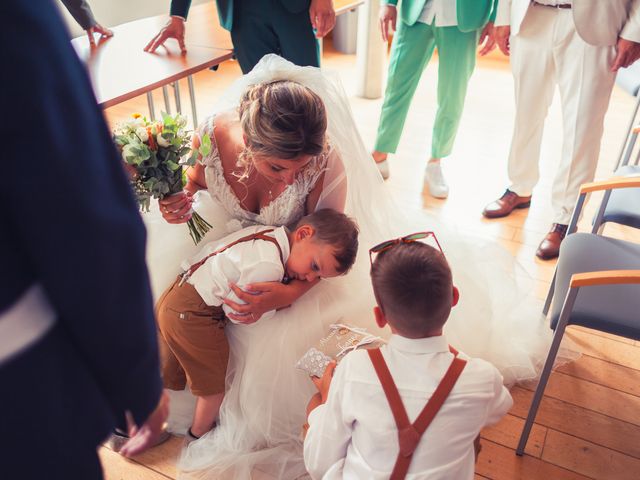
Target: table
[{"x": 120, "y": 69}]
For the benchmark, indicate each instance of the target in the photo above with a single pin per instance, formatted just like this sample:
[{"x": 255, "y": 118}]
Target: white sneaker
[
  {"x": 434, "y": 179},
  {"x": 383, "y": 168}
]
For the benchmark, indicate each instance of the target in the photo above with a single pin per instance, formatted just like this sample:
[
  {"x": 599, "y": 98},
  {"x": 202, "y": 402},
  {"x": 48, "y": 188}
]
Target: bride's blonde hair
[{"x": 281, "y": 119}]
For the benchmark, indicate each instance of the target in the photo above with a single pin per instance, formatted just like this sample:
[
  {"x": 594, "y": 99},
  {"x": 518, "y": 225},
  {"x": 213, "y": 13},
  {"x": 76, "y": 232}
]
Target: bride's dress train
[{"x": 496, "y": 319}]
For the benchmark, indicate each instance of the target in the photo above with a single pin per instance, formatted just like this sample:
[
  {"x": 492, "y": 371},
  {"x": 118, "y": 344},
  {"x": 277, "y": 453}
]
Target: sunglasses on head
[{"x": 414, "y": 237}]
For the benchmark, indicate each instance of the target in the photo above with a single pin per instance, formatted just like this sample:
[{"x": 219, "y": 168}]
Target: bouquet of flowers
[{"x": 155, "y": 154}]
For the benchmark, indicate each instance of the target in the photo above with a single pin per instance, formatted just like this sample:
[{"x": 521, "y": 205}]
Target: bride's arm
[
  {"x": 265, "y": 296},
  {"x": 176, "y": 208},
  {"x": 330, "y": 190}
]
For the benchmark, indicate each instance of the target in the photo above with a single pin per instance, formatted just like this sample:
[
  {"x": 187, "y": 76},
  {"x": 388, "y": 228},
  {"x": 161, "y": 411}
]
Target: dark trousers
[{"x": 261, "y": 27}]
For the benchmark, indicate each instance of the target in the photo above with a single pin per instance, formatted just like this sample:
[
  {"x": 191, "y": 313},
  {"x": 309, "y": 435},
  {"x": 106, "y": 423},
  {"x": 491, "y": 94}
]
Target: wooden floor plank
[
  {"x": 580, "y": 422},
  {"x": 116, "y": 467},
  {"x": 591, "y": 396},
  {"x": 163, "y": 458},
  {"x": 606, "y": 349},
  {"x": 501, "y": 463},
  {"x": 588, "y": 459},
  {"x": 507, "y": 434},
  {"x": 604, "y": 373}
]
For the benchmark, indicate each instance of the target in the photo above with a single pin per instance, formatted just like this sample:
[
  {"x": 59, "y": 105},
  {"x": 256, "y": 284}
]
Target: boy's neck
[{"x": 435, "y": 333}]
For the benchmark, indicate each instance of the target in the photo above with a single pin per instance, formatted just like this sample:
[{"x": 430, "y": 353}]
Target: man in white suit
[{"x": 577, "y": 45}]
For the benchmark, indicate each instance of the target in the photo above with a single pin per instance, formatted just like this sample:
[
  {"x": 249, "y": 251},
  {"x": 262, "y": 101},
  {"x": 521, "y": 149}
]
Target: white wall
[{"x": 114, "y": 12}]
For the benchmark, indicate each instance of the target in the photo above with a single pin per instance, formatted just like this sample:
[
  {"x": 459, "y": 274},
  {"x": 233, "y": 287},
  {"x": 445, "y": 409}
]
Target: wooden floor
[{"x": 589, "y": 423}]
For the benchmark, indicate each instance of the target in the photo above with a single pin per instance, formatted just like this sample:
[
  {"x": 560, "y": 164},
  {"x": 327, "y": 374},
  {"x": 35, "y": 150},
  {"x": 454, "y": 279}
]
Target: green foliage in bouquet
[{"x": 155, "y": 154}]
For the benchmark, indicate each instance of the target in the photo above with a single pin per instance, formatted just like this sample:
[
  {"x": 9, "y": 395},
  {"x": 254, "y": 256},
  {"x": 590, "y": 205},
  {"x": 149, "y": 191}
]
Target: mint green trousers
[{"x": 411, "y": 51}]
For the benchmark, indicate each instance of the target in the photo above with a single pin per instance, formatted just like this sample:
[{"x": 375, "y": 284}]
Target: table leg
[
  {"x": 192, "y": 96},
  {"x": 167, "y": 102},
  {"x": 152, "y": 109},
  {"x": 176, "y": 91}
]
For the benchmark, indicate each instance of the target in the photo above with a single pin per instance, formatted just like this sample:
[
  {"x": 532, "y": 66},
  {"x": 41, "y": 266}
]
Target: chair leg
[
  {"x": 597, "y": 221},
  {"x": 537, "y": 397},
  {"x": 567, "y": 307},
  {"x": 547, "y": 302}
]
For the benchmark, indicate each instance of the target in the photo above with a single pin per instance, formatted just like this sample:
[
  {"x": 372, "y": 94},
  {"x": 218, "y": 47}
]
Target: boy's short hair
[
  {"x": 338, "y": 230},
  {"x": 413, "y": 286}
]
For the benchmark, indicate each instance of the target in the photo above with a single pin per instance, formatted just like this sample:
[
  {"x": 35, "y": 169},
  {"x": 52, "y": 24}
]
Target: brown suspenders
[
  {"x": 409, "y": 434},
  {"x": 248, "y": 238}
]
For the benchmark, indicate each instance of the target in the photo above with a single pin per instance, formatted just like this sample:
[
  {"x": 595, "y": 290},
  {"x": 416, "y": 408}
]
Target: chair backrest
[{"x": 629, "y": 80}]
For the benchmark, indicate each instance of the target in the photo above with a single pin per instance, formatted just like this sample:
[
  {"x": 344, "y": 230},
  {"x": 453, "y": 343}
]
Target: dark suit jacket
[
  {"x": 81, "y": 12},
  {"x": 69, "y": 223},
  {"x": 225, "y": 9}
]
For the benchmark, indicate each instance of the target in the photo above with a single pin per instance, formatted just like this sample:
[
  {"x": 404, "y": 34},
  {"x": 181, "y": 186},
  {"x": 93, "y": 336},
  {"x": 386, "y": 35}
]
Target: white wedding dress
[{"x": 264, "y": 408}]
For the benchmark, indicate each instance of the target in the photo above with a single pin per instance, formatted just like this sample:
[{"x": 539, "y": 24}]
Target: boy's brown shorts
[{"x": 193, "y": 345}]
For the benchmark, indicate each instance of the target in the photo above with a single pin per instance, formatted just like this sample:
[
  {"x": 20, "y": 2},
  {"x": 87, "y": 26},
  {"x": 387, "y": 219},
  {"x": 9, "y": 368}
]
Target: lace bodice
[{"x": 286, "y": 209}]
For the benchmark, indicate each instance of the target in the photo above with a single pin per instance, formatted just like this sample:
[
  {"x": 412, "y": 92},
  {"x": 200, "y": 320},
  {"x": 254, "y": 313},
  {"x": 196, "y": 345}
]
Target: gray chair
[
  {"x": 620, "y": 205},
  {"x": 629, "y": 80},
  {"x": 596, "y": 285}
]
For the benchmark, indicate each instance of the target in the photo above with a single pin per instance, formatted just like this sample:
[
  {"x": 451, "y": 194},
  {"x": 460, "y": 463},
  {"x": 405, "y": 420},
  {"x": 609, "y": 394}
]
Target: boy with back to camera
[{"x": 415, "y": 407}]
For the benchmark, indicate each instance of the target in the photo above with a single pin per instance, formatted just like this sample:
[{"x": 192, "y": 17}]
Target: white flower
[
  {"x": 163, "y": 142},
  {"x": 127, "y": 153},
  {"x": 141, "y": 132},
  {"x": 181, "y": 121}
]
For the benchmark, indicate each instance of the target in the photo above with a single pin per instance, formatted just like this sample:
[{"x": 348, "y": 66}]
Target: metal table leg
[
  {"x": 152, "y": 109},
  {"x": 176, "y": 91},
  {"x": 167, "y": 102},
  {"x": 192, "y": 96}
]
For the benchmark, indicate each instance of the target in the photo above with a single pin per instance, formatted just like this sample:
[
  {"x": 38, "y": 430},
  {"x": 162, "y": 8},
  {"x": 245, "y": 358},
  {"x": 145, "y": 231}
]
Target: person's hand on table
[
  {"x": 388, "y": 17},
  {"x": 323, "y": 16},
  {"x": 177, "y": 207},
  {"x": 173, "y": 29},
  {"x": 97, "y": 28}
]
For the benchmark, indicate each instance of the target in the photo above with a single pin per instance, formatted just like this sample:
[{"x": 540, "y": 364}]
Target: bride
[{"x": 241, "y": 182}]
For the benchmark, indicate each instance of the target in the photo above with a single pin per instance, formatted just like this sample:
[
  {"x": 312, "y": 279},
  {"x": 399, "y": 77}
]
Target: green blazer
[
  {"x": 472, "y": 14},
  {"x": 225, "y": 9}
]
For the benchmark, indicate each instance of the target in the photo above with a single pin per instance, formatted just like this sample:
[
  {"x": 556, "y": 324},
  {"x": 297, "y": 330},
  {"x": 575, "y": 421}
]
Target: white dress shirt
[
  {"x": 354, "y": 435},
  {"x": 242, "y": 264},
  {"x": 444, "y": 11}
]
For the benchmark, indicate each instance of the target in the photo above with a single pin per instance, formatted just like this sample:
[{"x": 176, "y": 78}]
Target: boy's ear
[
  {"x": 455, "y": 297},
  {"x": 305, "y": 231},
  {"x": 381, "y": 320}
]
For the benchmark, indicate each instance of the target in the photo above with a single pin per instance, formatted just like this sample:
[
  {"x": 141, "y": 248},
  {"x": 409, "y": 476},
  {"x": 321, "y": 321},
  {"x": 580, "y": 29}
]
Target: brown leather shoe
[
  {"x": 506, "y": 204},
  {"x": 550, "y": 245}
]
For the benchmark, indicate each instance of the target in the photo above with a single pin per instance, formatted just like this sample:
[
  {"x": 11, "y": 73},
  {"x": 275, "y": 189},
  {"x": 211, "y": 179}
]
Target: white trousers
[{"x": 547, "y": 51}]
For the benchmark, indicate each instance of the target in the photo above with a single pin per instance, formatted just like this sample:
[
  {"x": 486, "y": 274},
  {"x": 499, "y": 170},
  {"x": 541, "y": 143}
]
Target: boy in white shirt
[
  {"x": 191, "y": 314},
  {"x": 352, "y": 431}
]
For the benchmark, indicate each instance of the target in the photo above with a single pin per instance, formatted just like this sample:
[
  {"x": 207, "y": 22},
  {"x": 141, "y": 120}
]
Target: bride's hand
[
  {"x": 263, "y": 297},
  {"x": 176, "y": 208}
]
